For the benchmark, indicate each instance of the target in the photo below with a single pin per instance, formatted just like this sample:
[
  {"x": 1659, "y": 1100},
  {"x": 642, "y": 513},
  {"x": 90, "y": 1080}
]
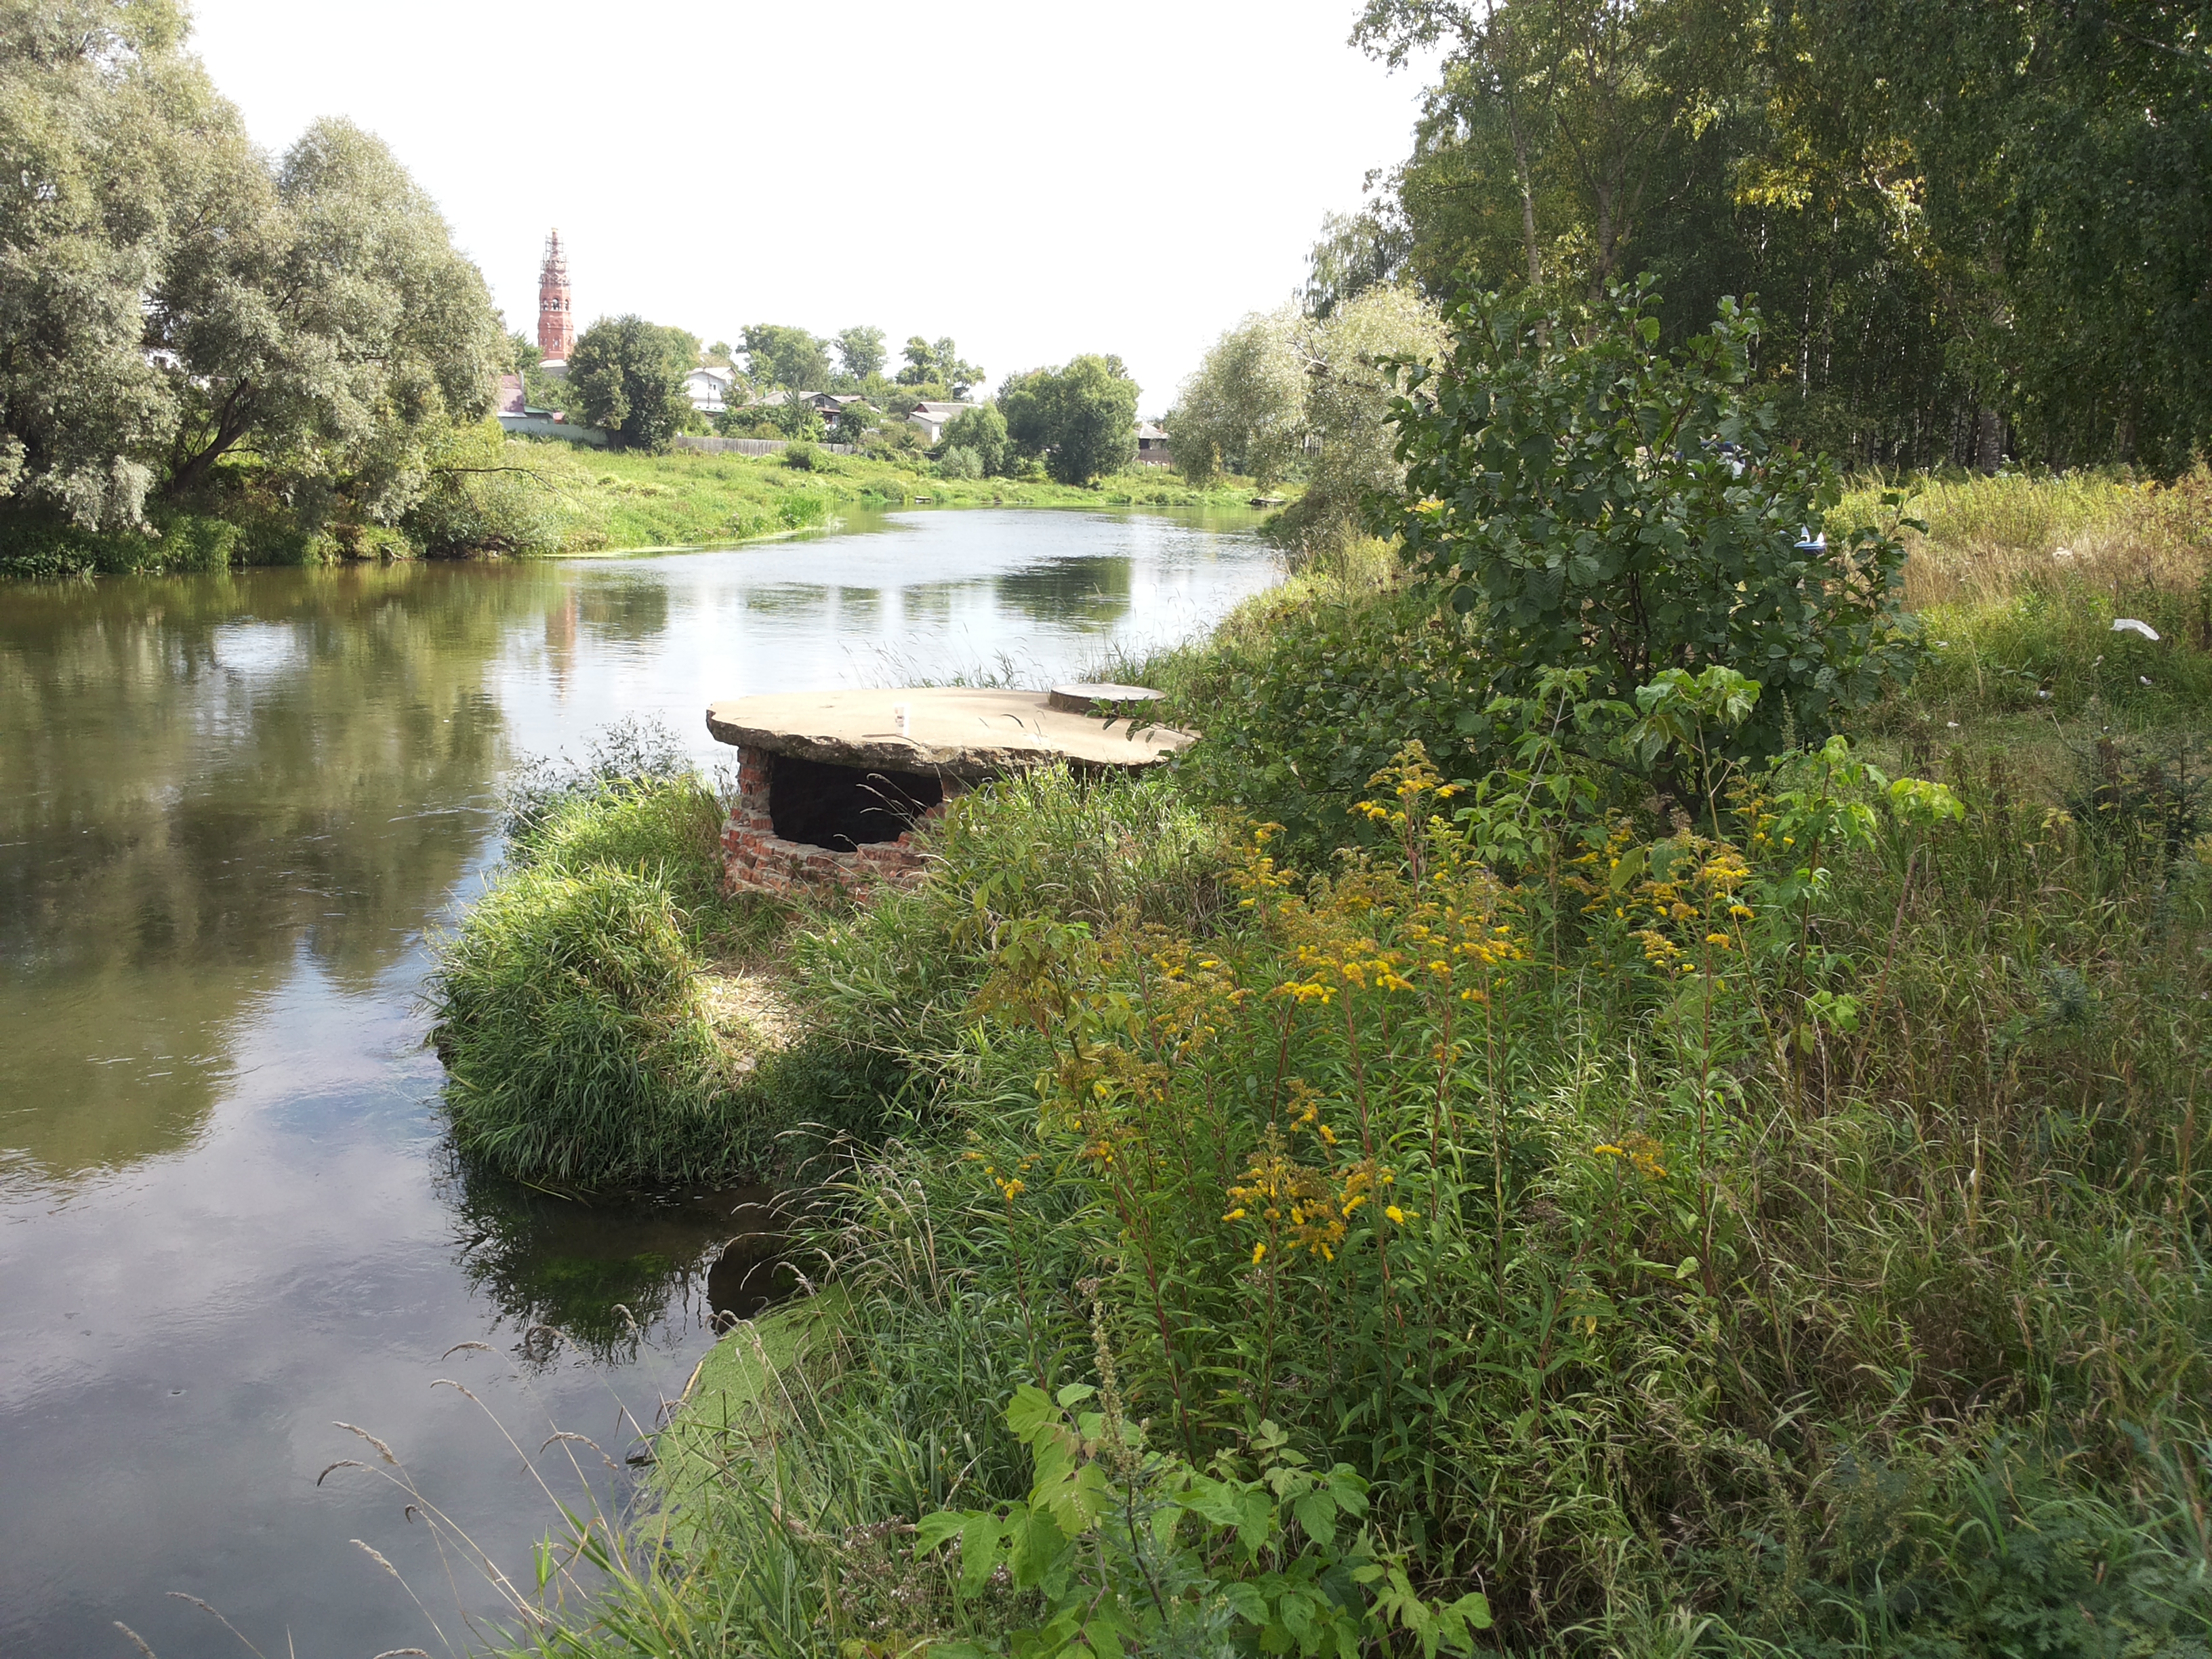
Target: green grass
[
  {"x": 1844, "y": 1289},
  {"x": 545, "y": 496},
  {"x": 575, "y": 1004},
  {"x": 604, "y": 500}
]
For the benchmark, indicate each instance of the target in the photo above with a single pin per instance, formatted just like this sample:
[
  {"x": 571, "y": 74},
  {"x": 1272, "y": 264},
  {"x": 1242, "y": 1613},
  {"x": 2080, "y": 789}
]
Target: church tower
[{"x": 557, "y": 322}]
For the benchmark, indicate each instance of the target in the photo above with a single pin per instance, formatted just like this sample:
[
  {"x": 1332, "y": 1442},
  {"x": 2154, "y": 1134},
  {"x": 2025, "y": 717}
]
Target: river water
[{"x": 230, "y": 806}]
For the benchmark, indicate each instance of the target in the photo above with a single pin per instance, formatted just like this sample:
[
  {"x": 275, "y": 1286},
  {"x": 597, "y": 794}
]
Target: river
[{"x": 230, "y": 809}]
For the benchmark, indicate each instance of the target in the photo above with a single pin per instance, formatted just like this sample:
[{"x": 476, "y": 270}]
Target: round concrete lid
[
  {"x": 1086, "y": 697},
  {"x": 950, "y": 730}
]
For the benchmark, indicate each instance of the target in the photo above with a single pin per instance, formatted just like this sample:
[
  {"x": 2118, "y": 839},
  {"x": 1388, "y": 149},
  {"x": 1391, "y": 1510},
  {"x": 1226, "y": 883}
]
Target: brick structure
[
  {"x": 833, "y": 787},
  {"x": 756, "y": 860},
  {"x": 556, "y": 319}
]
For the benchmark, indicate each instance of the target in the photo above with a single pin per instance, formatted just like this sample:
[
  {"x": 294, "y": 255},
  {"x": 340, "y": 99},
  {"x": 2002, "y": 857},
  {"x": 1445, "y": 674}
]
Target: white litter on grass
[
  {"x": 2062, "y": 552},
  {"x": 2143, "y": 679},
  {"x": 2130, "y": 625}
]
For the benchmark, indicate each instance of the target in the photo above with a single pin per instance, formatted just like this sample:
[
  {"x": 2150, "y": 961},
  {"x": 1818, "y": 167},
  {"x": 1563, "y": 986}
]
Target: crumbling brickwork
[{"x": 756, "y": 860}]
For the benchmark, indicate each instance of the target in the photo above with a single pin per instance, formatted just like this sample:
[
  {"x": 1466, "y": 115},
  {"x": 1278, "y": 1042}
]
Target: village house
[
  {"x": 933, "y": 417},
  {"x": 1152, "y": 445},
  {"x": 710, "y": 386}
]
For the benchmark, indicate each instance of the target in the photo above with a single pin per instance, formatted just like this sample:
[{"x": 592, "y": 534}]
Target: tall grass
[
  {"x": 1787, "y": 1236},
  {"x": 1848, "y": 1299},
  {"x": 583, "y": 1007}
]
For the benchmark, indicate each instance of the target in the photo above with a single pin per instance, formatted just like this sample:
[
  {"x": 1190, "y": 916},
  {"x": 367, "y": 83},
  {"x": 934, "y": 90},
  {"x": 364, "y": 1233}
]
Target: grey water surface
[{"x": 230, "y": 807}]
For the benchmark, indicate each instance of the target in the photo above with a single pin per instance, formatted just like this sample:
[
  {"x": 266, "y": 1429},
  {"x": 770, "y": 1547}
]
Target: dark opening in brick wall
[{"x": 842, "y": 806}]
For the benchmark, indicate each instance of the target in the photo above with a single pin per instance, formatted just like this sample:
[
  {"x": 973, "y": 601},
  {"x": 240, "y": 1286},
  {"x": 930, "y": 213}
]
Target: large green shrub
[
  {"x": 1591, "y": 501},
  {"x": 1310, "y": 697}
]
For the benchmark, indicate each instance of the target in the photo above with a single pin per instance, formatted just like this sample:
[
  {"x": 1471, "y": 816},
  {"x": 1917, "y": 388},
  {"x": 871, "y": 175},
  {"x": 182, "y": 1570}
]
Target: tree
[
  {"x": 780, "y": 354},
  {"x": 1244, "y": 409},
  {"x": 337, "y": 333},
  {"x": 1287, "y": 391},
  {"x": 119, "y": 155},
  {"x": 1081, "y": 418},
  {"x": 628, "y": 375},
  {"x": 860, "y": 352},
  {"x": 983, "y": 433},
  {"x": 1348, "y": 402},
  {"x": 855, "y": 422},
  {"x": 169, "y": 301},
  {"x": 938, "y": 363},
  {"x": 1593, "y": 502}
]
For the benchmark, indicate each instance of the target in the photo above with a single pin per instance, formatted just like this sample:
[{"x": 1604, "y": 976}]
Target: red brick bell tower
[{"x": 557, "y": 322}]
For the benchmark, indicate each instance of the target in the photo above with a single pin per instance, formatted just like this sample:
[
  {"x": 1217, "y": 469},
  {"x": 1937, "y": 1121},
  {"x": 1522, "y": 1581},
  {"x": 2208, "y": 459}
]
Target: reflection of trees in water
[
  {"x": 552, "y": 1264},
  {"x": 1090, "y": 592},
  {"x": 200, "y": 776},
  {"x": 616, "y": 605}
]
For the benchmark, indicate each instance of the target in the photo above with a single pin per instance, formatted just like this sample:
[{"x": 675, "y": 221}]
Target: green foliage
[
  {"x": 802, "y": 456},
  {"x": 1306, "y": 699},
  {"x": 860, "y": 352},
  {"x": 628, "y": 376},
  {"x": 1081, "y": 419},
  {"x": 174, "y": 302},
  {"x": 118, "y": 141},
  {"x": 983, "y": 433},
  {"x": 959, "y": 462},
  {"x": 782, "y": 355},
  {"x": 1987, "y": 226},
  {"x": 1593, "y": 500},
  {"x": 479, "y": 501},
  {"x": 1244, "y": 407},
  {"x": 1129, "y": 1549},
  {"x": 937, "y": 366}
]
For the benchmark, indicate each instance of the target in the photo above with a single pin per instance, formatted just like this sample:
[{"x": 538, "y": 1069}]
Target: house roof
[{"x": 1151, "y": 429}]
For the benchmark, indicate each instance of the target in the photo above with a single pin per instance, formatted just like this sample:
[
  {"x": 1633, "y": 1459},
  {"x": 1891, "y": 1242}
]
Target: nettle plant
[
  {"x": 1593, "y": 502},
  {"x": 1128, "y": 1549}
]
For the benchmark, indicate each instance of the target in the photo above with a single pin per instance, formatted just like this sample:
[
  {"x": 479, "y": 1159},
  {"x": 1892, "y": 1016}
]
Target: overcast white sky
[{"x": 1035, "y": 181}]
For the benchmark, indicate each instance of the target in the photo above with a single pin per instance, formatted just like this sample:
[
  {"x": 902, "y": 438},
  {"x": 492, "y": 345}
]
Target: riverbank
[
  {"x": 525, "y": 498},
  {"x": 1790, "y": 1223}
]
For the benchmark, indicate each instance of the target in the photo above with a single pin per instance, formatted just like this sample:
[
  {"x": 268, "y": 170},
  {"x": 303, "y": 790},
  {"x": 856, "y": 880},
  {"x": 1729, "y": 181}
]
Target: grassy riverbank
[
  {"x": 1681, "y": 1249},
  {"x": 530, "y": 498}
]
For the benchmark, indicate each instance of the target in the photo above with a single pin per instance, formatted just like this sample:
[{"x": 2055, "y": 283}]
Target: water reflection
[
  {"x": 1094, "y": 592},
  {"x": 199, "y": 781},
  {"x": 601, "y": 1276},
  {"x": 230, "y": 808}
]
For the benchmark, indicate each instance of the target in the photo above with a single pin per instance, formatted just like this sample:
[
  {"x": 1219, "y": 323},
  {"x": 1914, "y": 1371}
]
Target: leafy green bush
[
  {"x": 1310, "y": 695},
  {"x": 801, "y": 455},
  {"x": 959, "y": 462},
  {"x": 1591, "y": 501}
]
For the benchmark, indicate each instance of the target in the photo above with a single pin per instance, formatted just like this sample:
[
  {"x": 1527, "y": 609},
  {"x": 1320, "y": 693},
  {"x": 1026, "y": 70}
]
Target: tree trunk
[{"x": 1989, "y": 439}]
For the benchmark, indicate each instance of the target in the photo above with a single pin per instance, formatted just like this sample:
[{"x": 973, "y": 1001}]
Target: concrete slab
[{"x": 949, "y": 730}]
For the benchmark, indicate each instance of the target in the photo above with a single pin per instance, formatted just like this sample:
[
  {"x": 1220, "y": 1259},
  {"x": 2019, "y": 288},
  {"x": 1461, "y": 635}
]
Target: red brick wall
[{"x": 756, "y": 860}]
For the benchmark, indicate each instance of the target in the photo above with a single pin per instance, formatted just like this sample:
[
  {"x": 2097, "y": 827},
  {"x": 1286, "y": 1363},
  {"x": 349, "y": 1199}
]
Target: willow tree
[
  {"x": 169, "y": 300},
  {"x": 120, "y": 160}
]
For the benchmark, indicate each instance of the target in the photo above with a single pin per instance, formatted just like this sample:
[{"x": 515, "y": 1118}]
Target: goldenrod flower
[
  {"x": 1258, "y": 1250},
  {"x": 1395, "y": 1214}
]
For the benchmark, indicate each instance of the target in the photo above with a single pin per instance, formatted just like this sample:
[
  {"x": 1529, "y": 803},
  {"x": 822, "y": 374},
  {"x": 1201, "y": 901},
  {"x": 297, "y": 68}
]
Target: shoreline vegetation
[
  {"x": 546, "y": 498},
  {"x": 1773, "y": 1228}
]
